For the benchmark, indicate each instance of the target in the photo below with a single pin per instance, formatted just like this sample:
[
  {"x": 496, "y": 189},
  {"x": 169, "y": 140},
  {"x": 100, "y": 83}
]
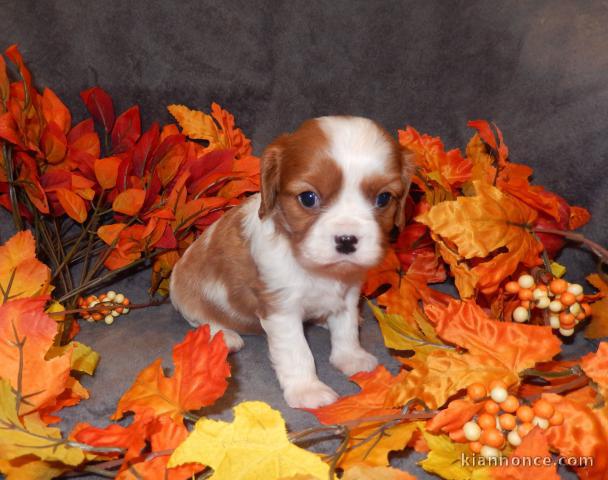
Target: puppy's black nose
[{"x": 346, "y": 243}]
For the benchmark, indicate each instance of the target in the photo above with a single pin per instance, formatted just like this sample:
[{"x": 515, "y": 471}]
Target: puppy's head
[{"x": 336, "y": 187}]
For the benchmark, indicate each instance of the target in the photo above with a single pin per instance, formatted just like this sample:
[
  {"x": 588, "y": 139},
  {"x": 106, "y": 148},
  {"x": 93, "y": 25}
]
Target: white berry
[
  {"x": 472, "y": 431},
  {"x": 520, "y": 314},
  {"x": 489, "y": 452},
  {"x": 537, "y": 294},
  {"x": 499, "y": 394},
  {"x": 125, "y": 310},
  {"x": 554, "y": 321},
  {"x": 109, "y": 319},
  {"x": 114, "y": 313},
  {"x": 111, "y": 295},
  {"x": 541, "y": 422},
  {"x": 575, "y": 309},
  {"x": 119, "y": 298},
  {"x": 566, "y": 332},
  {"x": 575, "y": 289},
  {"x": 543, "y": 302},
  {"x": 526, "y": 281},
  {"x": 93, "y": 303},
  {"x": 513, "y": 438},
  {"x": 556, "y": 306}
]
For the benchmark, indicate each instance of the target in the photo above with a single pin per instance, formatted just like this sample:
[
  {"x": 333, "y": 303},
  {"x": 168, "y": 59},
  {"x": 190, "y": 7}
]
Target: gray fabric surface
[{"x": 539, "y": 69}]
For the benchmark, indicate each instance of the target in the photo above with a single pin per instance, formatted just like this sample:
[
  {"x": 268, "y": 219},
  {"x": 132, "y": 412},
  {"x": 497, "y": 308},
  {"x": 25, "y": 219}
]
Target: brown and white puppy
[{"x": 331, "y": 193}]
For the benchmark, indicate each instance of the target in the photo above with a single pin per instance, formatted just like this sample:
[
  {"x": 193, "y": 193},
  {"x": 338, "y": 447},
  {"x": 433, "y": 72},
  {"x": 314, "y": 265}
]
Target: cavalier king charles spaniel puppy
[{"x": 331, "y": 193}]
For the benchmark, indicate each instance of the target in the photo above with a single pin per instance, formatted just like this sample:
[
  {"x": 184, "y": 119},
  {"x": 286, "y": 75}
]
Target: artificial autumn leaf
[
  {"x": 481, "y": 226},
  {"x": 452, "y": 418},
  {"x": 595, "y": 366},
  {"x": 582, "y": 436},
  {"x": 516, "y": 346},
  {"x": 579, "y": 216},
  {"x": 496, "y": 351},
  {"x": 23, "y": 322},
  {"x": 451, "y": 460},
  {"x": 365, "y": 472},
  {"x": 21, "y": 270},
  {"x": 106, "y": 171},
  {"x": 110, "y": 233},
  {"x": 30, "y": 467},
  {"x": 233, "y": 137},
  {"x": 130, "y": 201},
  {"x": 73, "y": 205},
  {"x": 533, "y": 446},
  {"x": 54, "y": 110},
  {"x": 198, "y": 380},
  {"x": 498, "y": 149},
  {"x": 126, "y": 131},
  {"x": 83, "y": 358},
  {"x": 253, "y": 446},
  {"x": 388, "y": 272},
  {"x": 165, "y": 435},
  {"x": 4, "y": 85},
  {"x": 197, "y": 125},
  {"x": 100, "y": 106},
  {"x": 598, "y": 327},
  {"x": 368, "y": 403},
  {"x": 19, "y": 437}
]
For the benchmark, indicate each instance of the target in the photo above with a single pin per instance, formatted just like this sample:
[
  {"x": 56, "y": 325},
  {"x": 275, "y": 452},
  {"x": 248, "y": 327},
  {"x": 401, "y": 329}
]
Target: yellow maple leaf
[
  {"x": 449, "y": 459},
  {"x": 30, "y": 467},
  {"x": 30, "y": 436},
  {"x": 20, "y": 270},
  {"x": 253, "y": 447}
]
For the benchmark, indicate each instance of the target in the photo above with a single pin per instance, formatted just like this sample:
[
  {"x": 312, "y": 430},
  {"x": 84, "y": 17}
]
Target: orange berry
[
  {"x": 119, "y": 309},
  {"x": 543, "y": 409},
  {"x": 580, "y": 298},
  {"x": 586, "y": 309},
  {"x": 101, "y": 297},
  {"x": 492, "y": 437},
  {"x": 580, "y": 316},
  {"x": 525, "y": 294},
  {"x": 126, "y": 301},
  {"x": 524, "y": 429},
  {"x": 525, "y": 303},
  {"x": 511, "y": 404},
  {"x": 542, "y": 287},
  {"x": 558, "y": 286},
  {"x": 557, "y": 418},
  {"x": 458, "y": 436},
  {"x": 491, "y": 407},
  {"x": 90, "y": 298},
  {"x": 97, "y": 316},
  {"x": 497, "y": 383},
  {"x": 104, "y": 312},
  {"x": 475, "y": 447},
  {"x": 567, "y": 298},
  {"x": 507, "y": 421},
  {"x": 525, "y": 413},
  {"x": 476, "y": 391},
  {"x": 566, "y": 317},
  {"x": 512, "y": 287},
  {"x": 85, "y": 315},
  {"x": 486, "y": 421}
]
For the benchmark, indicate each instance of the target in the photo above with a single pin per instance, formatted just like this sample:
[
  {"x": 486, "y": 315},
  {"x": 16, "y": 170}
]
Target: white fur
[
  {"x": 360, "y": 151},
  {"x": 301, "y": 295}
]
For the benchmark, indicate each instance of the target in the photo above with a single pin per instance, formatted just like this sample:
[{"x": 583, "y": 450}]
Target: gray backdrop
[{"x": 539, "y": 69}]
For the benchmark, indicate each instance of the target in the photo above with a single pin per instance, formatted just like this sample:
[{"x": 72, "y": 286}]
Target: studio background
[{"x": 539, "y": 69}]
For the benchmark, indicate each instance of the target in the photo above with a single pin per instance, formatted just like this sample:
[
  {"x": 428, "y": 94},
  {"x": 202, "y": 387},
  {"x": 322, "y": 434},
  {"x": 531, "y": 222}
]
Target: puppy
[{"x": 331, "y": 192}]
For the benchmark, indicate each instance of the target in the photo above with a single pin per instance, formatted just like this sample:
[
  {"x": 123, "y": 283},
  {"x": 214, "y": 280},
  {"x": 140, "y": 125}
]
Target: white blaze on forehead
[{"x": 357, "y": 145}]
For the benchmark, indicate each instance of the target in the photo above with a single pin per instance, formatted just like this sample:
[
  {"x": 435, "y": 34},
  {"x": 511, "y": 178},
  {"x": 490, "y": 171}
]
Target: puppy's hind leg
[{"x": 197, "y": 312}]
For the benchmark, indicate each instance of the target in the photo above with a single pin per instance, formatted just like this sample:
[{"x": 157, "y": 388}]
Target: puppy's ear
[
  {"x": 407, "y": 171},
  {"x": 270, "y": 176}
]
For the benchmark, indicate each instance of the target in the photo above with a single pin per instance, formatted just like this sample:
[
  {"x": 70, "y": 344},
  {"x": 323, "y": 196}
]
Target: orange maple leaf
[
  {"x": 534, "y": 446},
  {"x": 198, "y": 380},
  {"x": 598, "y": 327},
  {"x": 28, "y": 334},
  {"x": 368, "y": 403},
  {"x": 471, "y": 233}
]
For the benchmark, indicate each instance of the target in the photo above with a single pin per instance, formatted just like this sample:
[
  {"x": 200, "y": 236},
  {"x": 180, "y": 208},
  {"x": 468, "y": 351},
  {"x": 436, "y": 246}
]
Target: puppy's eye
[
  {"x": 309, "y": 199},
  {"x": 383, "y": 199}
]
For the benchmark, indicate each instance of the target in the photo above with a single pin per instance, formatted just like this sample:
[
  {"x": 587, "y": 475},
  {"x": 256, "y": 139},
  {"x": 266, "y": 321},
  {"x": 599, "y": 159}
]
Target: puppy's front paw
[
  {"x": 312, "y": 394},
  {"x": 354, "y": 361}
]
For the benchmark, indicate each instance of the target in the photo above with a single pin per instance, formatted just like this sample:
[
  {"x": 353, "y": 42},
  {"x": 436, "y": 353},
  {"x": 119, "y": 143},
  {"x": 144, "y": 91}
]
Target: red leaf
[
  {"x": 99, "y": 104},
  {"x": 12, "y": 52},
  {"x": 127, "y": 130}
]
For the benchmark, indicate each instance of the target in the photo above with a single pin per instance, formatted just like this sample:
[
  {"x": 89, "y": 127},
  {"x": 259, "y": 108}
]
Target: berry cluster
[
  {"x": 564, "y": 301},
  {"x": 504, "y": 419},
  {"x": 110, "y": 299}
]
